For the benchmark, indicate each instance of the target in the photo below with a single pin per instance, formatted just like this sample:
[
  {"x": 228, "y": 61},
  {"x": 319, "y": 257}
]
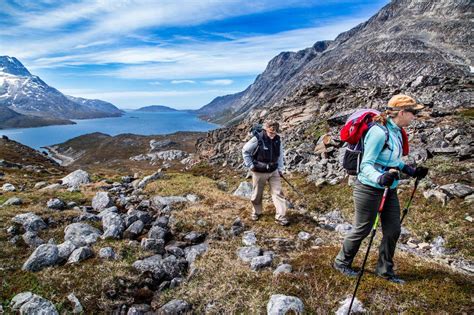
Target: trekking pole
[
  {"x": 405, "y": 210},
  {"x": 296, "y": 190},
  {"x": 374, "y": 230}
]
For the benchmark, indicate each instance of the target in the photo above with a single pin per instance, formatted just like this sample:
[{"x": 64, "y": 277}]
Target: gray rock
[
  {"x": 40, "y": 185},
  {"x": 64, "y": 251},
  {"x": 154, "y": 245},
  {"x": 139, "y": 309},
  {"x": 76, "y": 178},
  {"x": 260, "y": 262},
  {"x": 102, "y": 201},
  {"x": 175, "y": 307},
  {"x": 32, "y": 239},
  {"x": 107, "y": 211},
  {"x": 193, "y": 252},
  {"x": 437, "y": 247},
  {"x": 283, "y": 268},
  {"x": 52, "y": 187},
  {"x": 30, "y": 221},
  {"x": 81, "y": 234},
  {"x": 29, "y": 303},
  {"x": 249, "y": 238},
  {"x": 160, "y": 202},
  {"x": 457, "y": 190},
  {"x": 113, "y": 226},
  {"x": 158, "y": 232},
  {"x": 107, "y": 253},
  {"x": 8, "y": 187},
  {"x": 357, "y": 307},
  {"x": 247, "y": 253},
  {"x": 237, "y": 227},
  {"x": 280, "y": 304},
  {"x": 304, "y": 236},
  {"x": 150, "y": 264},
  {"x": 147, "y": 179},
  {"x": 155, "y": 145},
  {"x": 195, "y": 237},
  {"x": 78, "y": 309},
  {"x": 175, "y": 250},
  {"x": 56, "y": 204},
  {"x": 134, "y": 230},
  {"x": 45, "y": 255},
  {"x": 170, "y": 155},
  {"x": 244, "y": 190},
  {"x": 80, "y": 254},
  {"x": 167, "y": 268},
  {"x": 438, "y": 195},
  {"x": 13, "y": 201},
  {"x": 162, "y": 221}
]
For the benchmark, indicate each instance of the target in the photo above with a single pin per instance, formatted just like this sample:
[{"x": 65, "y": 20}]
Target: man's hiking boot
[
  {"x": 282, "y": 222},
  {"x": 347, "y": 271},
  {"x": 255, "y": 217},
  {"x": 392, "y": 278}
]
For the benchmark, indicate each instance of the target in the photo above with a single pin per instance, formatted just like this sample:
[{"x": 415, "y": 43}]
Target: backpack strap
[{"x": 259, "y": 136}]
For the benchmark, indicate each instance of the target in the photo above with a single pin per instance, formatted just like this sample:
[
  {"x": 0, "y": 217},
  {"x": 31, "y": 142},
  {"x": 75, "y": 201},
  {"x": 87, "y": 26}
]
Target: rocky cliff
[{"x": 408, "y": 43}]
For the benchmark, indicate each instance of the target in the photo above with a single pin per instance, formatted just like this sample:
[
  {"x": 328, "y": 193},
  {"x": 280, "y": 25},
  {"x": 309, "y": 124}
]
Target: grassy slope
[{"x": 223, "y": 282}]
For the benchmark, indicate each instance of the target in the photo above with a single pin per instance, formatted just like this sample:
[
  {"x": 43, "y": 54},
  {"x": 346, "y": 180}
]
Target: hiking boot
[
  {"x": 255, "y": 217},
  {"x": 347, "y": 271},
  {"x": 282, "y": 222},
  {"x": 392, "y": 278}
]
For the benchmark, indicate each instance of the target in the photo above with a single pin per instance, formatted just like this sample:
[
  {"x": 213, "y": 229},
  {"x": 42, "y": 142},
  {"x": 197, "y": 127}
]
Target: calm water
[{"x": 140, "y": 123}]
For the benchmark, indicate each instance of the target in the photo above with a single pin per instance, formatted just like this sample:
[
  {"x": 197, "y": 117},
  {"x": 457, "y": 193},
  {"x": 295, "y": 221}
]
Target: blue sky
[{"x": 176, "y": 53}]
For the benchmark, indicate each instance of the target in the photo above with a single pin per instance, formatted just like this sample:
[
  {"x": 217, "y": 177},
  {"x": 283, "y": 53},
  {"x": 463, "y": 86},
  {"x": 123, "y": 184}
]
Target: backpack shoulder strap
[{"x": 385, "y": 130}]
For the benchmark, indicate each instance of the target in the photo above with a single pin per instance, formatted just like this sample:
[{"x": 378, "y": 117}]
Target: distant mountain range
[
  {"x": 27, "y": 101},
  {"x": 156, "y": 108},
  {"x": 406, "y": 43}
]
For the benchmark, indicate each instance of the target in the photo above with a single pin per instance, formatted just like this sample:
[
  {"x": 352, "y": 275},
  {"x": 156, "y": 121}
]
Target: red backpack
[{"x": 353, "y": 133}]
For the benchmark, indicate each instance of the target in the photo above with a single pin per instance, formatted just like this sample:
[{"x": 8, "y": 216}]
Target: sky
[{"x": 178, "y": 53}]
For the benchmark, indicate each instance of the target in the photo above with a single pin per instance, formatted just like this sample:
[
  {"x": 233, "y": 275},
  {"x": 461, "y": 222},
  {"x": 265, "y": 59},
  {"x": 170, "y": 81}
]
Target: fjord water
[{"x": 140, "y": 123}]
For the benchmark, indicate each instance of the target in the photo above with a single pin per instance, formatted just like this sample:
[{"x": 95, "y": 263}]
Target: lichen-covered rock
[
  {"x": 113, "y": 226},
  {"x": 81, "y": 234},
  {"x": 13, "y": 201},
  {"x": 193, "y": 252},
  {"x": 244, "y": 190},
  {"x": 280, "y": 304},
  {"x": 56, "y": 204},
  {"x": 80, "y": 254},
  {"x": 29, "y": 303},
  {"x": 30, "y": 221},
  {"x": 101, "y": 201},
  {"x": 107, "y": 253},
  {"x": 175, "y": 307},
  {"x": 260, "y": 262},
  {"x": 247, "y": 253},
  {"x": 45, "y": 255},
  {"x": 76, "y": 178}
]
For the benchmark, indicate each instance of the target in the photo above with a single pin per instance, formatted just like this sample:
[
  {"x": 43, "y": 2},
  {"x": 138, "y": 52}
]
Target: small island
[{"x": 156, "y": 108}]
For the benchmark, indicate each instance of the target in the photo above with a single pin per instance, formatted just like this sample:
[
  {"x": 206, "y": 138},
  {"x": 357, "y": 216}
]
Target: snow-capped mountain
[{"x": 29, "y": 95}]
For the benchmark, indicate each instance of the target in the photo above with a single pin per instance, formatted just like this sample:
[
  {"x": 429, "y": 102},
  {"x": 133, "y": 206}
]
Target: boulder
[
  {"x": 159, "y": 144},
  {"x": 101, "y": 201},
  {"x": 280, "y": 304},
  {"x": 134, "y": 230},
  {"x": 193, "y": 252},
  {"x": 13, "y": 201},
  {"x": 30, "y": 221},
  {"x": 107, "y": 253},
  {"x": 158, "y": 232},
  {"x": 81, "y": 234},
  {"x": 247, "y": 253},
  {"x": 249, "y": 238},
  {"x": 160, "y": 202},
  {"x": 175, "y": 250},
  {"x": 40, "y": 185},
  {"x": 147, "y": 179},
  {"x": 343, "y": 228},
  {"x": 304, "y": 236},
  {"x": 8, "y": 187},
  {"x": 436, "y": 194},
  {"x": 29, "y": 303},
  {"x": 154, "y": 245},
  {"x": 45, "y": 255},
  {"x": 244, "y": 190},
  {"x": 64, "y": 251},
  {"x": 170, "y": 155},
  {"x": 80, "y": 254},
  {"x": 260, "y": 262},
  {"x": 195, "y": 237},
  {"x": 75, "y": 179},
  {"x": 167, "y": 268},
  {"x": 32, "y": 239},
  {"x": 56, "y": 204},
  {"x": 357, "y": 307},
  {"x": 237, "y": 227},
  {"x": 78, "y": 309},
  {"x": 283, "y": 268},
  {"x": 175, "y": 307},
  {"x": 150, "y": 264},
  {"x": 457, "y": 190},
  {"x": 113, "y": 226}
]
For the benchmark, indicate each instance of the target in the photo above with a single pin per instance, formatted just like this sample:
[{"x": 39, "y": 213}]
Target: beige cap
[{"x": 402, "y": 101}]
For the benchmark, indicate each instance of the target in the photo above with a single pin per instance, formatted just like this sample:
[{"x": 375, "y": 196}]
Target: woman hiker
[{"x": 381, "y": 157}]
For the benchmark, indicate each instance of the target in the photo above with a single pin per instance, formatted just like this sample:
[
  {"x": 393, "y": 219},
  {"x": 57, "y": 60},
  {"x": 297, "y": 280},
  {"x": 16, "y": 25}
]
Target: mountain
[
  {"x": 11, "y": 119},
  {"x": 27, "y": 94},
  {"x": 156, "y": 108},
  {"x": 406, "y": 43}
]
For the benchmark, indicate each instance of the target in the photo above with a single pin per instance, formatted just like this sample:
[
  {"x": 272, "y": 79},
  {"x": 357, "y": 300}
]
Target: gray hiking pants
[{"x": 366, "y": 201}]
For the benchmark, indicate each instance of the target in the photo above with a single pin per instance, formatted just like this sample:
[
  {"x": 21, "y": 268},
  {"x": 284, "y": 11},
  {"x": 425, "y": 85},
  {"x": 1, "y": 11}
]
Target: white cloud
[
  {"x": 219, "y": 82},
  {"x": 155, "y": 83},
  {"x": 183, "y": 82}
]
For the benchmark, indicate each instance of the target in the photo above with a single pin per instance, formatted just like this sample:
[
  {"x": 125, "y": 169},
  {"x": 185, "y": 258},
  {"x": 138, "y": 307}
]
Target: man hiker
[{"x": 263, "y": 155}]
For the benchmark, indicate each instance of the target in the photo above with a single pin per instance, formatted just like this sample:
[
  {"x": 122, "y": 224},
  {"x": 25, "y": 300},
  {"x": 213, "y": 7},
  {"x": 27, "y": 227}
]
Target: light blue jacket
[{"x": 376, "y": 158}]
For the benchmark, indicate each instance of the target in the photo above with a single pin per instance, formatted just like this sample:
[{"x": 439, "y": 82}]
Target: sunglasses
[{"x": 411, "y": 110}]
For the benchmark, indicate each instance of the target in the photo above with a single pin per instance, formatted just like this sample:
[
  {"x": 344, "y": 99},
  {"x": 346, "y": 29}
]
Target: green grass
[{"x": 314, "y": 131}]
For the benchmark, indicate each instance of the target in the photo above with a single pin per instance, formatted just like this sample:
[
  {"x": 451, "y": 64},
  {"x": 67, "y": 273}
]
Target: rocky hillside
[
  {"x": 408, "y": 43},
  {"x": 11, "y": 119},
  {"x": 27, "y": 94}
]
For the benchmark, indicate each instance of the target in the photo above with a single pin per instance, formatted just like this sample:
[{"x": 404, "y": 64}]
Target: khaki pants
[{"x": 259, "y": 180}]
